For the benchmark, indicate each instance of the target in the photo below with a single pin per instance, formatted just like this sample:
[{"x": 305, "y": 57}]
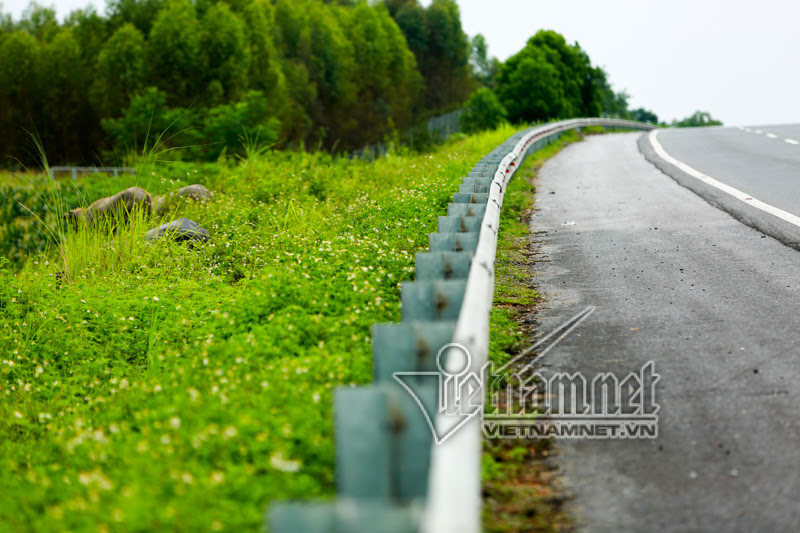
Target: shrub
[{"x": 484, "y": 111}]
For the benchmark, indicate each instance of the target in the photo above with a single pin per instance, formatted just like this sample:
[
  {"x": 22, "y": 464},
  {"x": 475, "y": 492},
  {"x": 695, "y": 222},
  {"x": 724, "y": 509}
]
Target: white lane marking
[
  {"x": 759, "y": 132},
  {"x": 772, "y": 136},
  {"x": 733, "y": 191},
  {"x": 748, "y": 129},
  {"x": 791, "y": 141}
]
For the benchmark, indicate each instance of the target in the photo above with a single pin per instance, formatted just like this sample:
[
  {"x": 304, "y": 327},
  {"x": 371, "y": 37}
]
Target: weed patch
[{"x": 519, "y": 489}]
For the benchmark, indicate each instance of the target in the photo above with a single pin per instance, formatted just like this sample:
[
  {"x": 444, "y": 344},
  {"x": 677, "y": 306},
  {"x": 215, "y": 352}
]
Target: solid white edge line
[
  {"x": 733, "y": 191},
  {"x": 791, "y": 141}
]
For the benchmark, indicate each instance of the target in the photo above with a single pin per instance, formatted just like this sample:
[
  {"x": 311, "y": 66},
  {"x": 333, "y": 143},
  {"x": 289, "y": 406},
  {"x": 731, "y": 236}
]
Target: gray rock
[
  {"x": 120, "y": 205},
  {"x": 181, "y": 229},
  {"x": 167, "y": 202},
  {"x": 194, "y": 192}
]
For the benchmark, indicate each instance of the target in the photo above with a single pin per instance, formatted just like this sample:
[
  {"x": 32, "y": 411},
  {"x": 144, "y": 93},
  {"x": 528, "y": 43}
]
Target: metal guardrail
[
  {"x": 445, "y": 125},
  {"x": 75, "y": 170},
  {"x": 390, "y": 476},
  {"x": 440, "y": 126}
]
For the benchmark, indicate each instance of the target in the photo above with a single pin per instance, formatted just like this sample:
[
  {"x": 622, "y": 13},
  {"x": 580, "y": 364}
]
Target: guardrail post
[
  {"x": 408, "y": 347},
  {"x": 383, "y": 427}
]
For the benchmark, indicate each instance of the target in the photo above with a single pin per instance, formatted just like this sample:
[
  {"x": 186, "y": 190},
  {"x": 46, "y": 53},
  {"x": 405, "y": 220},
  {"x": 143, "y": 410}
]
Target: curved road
[
  {"x": 757, "y": 160},
  {"x": 712, "y": 301}
]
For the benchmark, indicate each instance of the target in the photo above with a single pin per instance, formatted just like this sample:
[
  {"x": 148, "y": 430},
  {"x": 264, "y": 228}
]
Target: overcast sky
[{"x": 736, "y": 60}]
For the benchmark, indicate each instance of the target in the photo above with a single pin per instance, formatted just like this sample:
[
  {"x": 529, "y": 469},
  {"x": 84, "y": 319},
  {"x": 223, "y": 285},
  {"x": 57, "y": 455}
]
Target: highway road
[
  {"x": 763, "y": 161},
  {"x": 752, "y": 173},
  {"x": 712, "y": 301}
]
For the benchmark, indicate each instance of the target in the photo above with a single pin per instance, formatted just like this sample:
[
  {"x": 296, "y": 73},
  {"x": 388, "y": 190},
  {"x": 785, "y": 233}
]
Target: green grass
[
  {"x": 174, "y": 388},
  {"x": 517, "y": 489},
  {"x": 514, "y": 290}
]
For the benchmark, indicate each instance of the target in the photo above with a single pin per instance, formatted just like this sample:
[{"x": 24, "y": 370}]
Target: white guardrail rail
[
  {"x": 393, "y": 473},
  {"x": 454, "y": 492}
]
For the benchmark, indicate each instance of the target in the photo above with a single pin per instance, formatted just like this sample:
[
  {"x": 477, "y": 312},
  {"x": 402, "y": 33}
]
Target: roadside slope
[{"x": 711, "y": 301}]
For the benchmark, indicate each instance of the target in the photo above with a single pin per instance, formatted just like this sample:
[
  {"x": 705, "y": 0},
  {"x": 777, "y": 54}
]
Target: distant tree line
[
  {"x": 548, "y": 79},
  {"x": 208, "y": 76},
  {"x": 203, "y": 78},
  {"x": 700, "y": 119}
]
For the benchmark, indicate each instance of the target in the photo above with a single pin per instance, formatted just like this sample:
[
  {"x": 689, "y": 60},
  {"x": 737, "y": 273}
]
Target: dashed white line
[
  {"x": 772, "y": 136},
  {"x": 736, "y": 193}
]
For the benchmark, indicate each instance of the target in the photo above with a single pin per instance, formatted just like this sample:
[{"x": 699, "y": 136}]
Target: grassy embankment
[
  {"x": 167, "y": 388},
  {"x": 518, "y": 482}
]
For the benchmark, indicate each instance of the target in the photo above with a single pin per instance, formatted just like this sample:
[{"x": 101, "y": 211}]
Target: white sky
[{"x": 734, "y": 59}]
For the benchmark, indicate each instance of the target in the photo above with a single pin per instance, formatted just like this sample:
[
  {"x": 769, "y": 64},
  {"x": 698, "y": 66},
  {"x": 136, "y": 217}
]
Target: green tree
[
  {"x": 484, "y": 67},
  {"x": 445, "y": 63},
  {"x": 442, "y": 49},
  {"x": 140, "y": 13},
  {"x": 321, "y": 68},
  {"x": 266, "y": 71},
  {"x": 331, "y": 66},
  {"x": 699, "y": 119},
  {"x": 39, "y": 21},
  {"x": 334, "y": 73},
  {"x": 571, "y": 65},
  {"x": 20, "y": 94},
  {"x": 175, "y": 60},
  {"x": 64, "y": 104},
  {"x": 6, "y": 22},
  {"x": 90, "y": 30},
  {"x": 530, "y": 88},
  {"x": 119, "y": 71},
  {"x": 644, "y": 115},
  {"x": 229, "y": 126},
  {"x": 385, "y": 74},
  {"x": 297, "y": 123},
  {"x": 237, "y": 6},
  {"x": 582, "y": 90},
  {"x": 149, "y": 123},
  {"x": 406, "y": 83},
  {"x": 226, "y": 47},
  {"x": 483, "y": 111},
  {"x": 411, "y": 18}
]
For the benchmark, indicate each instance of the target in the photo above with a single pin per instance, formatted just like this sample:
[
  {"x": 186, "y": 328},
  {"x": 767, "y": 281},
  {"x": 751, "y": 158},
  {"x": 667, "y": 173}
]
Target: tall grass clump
[{"x": 52, "y": 222}]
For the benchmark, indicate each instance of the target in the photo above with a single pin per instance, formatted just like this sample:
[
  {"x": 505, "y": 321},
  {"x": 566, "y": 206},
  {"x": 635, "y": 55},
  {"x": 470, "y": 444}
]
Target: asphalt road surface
[
  {"x": 758, "y": 160},
  {"x": 712, "y": 301}
]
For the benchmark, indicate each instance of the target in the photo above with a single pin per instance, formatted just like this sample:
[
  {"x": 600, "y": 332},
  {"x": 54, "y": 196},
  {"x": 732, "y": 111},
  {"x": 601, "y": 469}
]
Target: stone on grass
[
  {"x": 120, "y": 205},
  {"x": 194, "y": 192},
  {"x": 181, "y": 229},
  {"x": 167, "y": 202}
]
